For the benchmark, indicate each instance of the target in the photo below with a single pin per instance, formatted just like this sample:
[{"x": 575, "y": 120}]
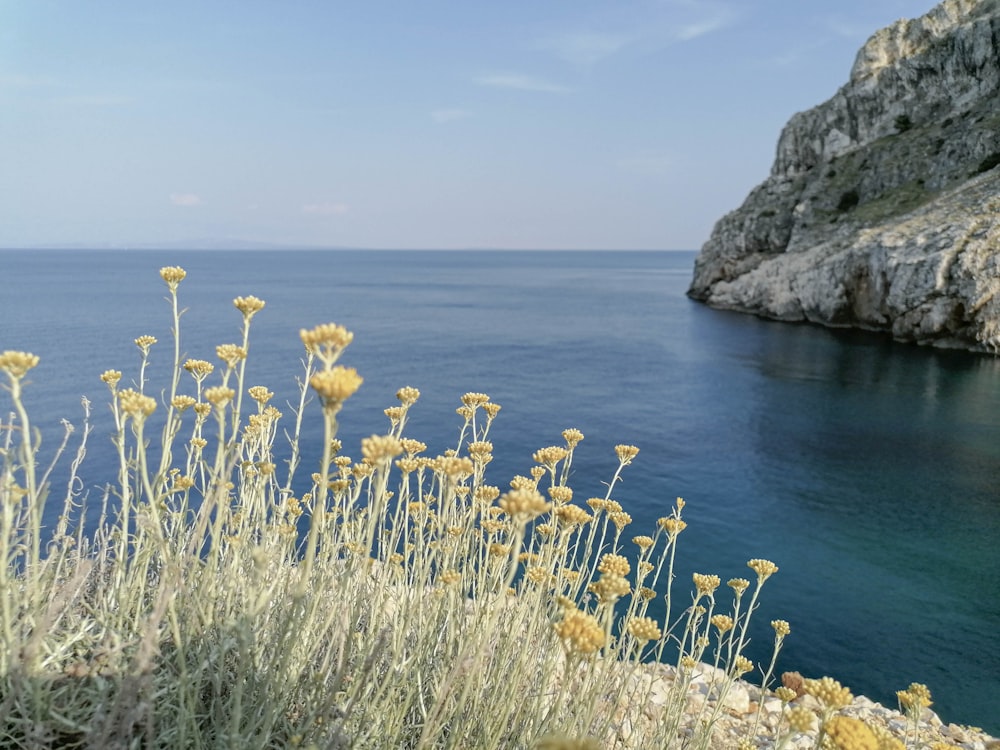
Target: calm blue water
[{"x": 868, "y": 471}]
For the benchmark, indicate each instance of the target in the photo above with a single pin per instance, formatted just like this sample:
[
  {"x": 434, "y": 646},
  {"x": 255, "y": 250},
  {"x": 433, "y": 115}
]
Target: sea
[{"x": 867, "y": 470}]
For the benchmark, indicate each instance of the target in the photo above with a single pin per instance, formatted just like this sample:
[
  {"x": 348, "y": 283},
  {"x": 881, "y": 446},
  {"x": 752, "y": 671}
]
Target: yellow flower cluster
[
  {"x": 643, "y": 542},
  {"x": 916, "y": 696},
  {"x": 800, "y": 719},
  {"x": 781, "y": 628},
  {"x": 673, "y": 526},
  {"x": 724, "y": 623},
  {"x": 610, "y": 588},
  {"x": 848, "y": 733},
  {"x": 199, "y": 368},
  {"x": 739, "y": 585},
  {"x": 135, "y": 404},
  {"x": 336, "y": 385},
  {"x": 742, "y": 665},
  {"x": 182, "y": 403},
  {"x": 705, "y": 584},
  {"x": 626, "y": 453},
  {"x": 380, "y": 448},
  {"x": 549, "y": 457},
  {"x": 572, "y": 436},
  {"x": 573, "y": 515},
  {"x": 219, "y": 396},
  {"x": 231, "y": 354},
  {"x": 560, "y": 494},
  {"x": 829, "y": 692},
  {"x": 474, "y": 400},
  {"x": 408, "y": 396},
  {"x": 111, "y": 377},
  {"x": 644, "y": 629},
  {"x": 763, "y": 568},
  {"x": 481, "y": 451},
  {"x": 260, "y": 394},
  {"x": 523, "y": 504},
  {"x": 249, "y": 306},
  {"x": 616, "y": 565},
  {"x": 144, "y": 342},
  {"x": 173, "y": 275},
  {"x": 579, "y": 632}
]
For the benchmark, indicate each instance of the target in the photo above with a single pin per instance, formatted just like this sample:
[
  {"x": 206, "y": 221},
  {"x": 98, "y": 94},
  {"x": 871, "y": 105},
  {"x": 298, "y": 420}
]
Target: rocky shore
[
  {"x": 882, "y": 209},
  {"x": 744, "y": 707}
]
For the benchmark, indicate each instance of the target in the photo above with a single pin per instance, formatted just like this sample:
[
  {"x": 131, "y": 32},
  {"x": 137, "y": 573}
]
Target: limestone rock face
[{"x": 882, "y": 209}]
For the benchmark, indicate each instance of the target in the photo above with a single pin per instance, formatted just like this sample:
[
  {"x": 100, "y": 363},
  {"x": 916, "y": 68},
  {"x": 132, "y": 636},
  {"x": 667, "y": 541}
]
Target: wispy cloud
[
  {"x": 325, "y": 209},
  {"x": 449, "y": 115},
  {"x": 521, "y": 83},
  {"x": 687, "y": 32},
  {"x": 584, "y": 47},
  {"x": 185, "y": 200}
]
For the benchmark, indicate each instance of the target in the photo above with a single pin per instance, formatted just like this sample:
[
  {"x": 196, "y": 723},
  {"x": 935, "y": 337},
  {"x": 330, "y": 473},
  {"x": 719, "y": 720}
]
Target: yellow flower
[
  {"x": 550, "y": 456},
  {"x": 626, "y": 453},
  {"x": 111, "y": 377},
  {"x": 474, "y": 400},
  {"x": 784, "y": 694},
  {"x": 491, "y": 410},
  {"x": 829, "y": 692},
  {"x": 173, "y": 275},
  {"x": 573, "y": 515},
  {"x": 260, "y": 394},
  {"x": 249, "y": 306},
  {"x": 673, "y": 526},
  {"x": 800, "y": 719},
  {"x": 572, "y": 436},
  {"x": 620, "y": 519},
  {"x": 706, "y": 584},
  {"x": 144, "y": 342},
  {"x": 610, "y": 588},
  {"x": 136, "y": 405},
  {"x": 742, "y": 665},
  {"x": 643, "y": 542},
  {"x": 724, "y": 623},
  {"x": 523, "y": 505},
  {"x": 579, "y": 632},
  {"x": 182, "y": 403},
  {"x": 219, "y": 396},
  {"x": 560, "y": 494},
  {"x": 199, "y": 368},
  {"x": 644, "y": 629},
  {"x": 336, "y": 385},
  {"x": 380, "y": 448},
  {"x": 616, "y": 565},
  {"x": 739, "y": 585},
  {"x": 917, "y": 696},
  {"x": 412, "y": 447},
  {"x": 231, "y": 354},
  {"x": 763, "y": 568},
  {"x": 781, "y": 628},
  {"x": 408, "y": 396},
  {"x": 848, "y": 733}
]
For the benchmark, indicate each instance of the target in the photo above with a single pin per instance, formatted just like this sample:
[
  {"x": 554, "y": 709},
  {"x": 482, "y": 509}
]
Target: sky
[{"x": 437, "y": 124}]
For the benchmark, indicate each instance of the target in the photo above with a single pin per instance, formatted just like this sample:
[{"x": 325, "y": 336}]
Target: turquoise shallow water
[{"x": 867, "y": 470}]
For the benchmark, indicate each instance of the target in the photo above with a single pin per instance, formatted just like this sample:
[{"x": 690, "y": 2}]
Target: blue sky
[{"x": 631, "y": 124}]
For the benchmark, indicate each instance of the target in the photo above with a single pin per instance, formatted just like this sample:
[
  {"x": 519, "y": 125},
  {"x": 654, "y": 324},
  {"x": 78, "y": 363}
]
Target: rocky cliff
[{"x": 882, "y": 210}]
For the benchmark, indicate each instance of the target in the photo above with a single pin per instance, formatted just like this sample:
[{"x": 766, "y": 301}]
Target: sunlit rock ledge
[{"x": 882, "y": 210}]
